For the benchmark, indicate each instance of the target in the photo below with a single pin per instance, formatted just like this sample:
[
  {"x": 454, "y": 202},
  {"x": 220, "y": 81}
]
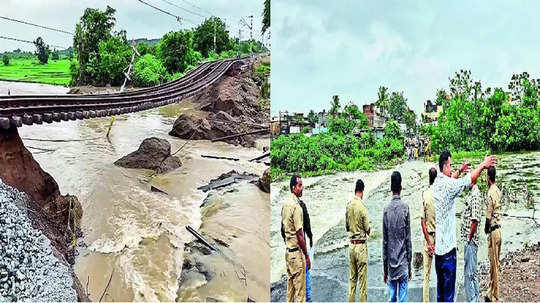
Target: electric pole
[{"x": 248, "y": 25}]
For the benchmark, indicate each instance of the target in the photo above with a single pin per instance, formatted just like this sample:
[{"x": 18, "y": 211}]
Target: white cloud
[{"x": 351, "y": 48}]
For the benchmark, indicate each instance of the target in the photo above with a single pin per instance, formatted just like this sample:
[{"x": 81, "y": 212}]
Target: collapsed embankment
[
  {"x": 231, "y": 106},
  {"x": 51, "y": 214}
]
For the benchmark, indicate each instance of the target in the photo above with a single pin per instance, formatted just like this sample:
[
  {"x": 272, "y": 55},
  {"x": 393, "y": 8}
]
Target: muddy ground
[{"x": 520, "y": 275}]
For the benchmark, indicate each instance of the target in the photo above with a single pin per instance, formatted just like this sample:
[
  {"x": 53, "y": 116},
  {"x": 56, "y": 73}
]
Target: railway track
[{"x": 19, "y": 110}]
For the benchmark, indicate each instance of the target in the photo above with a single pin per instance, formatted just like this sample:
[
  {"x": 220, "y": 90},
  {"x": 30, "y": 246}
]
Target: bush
[
  {"x": 149, "y": 71},
  {"x": 331, "y": 152},
  {"x": 5, "y": 59},
  {"x": 115, "y": 55},
  {"x": 73, "y": 70}
]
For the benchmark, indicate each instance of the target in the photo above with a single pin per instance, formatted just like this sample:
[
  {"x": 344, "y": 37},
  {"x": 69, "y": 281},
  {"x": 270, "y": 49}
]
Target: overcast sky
[
  {"x": 350, "y": 48},
  {"x": 139, "y": 20}
]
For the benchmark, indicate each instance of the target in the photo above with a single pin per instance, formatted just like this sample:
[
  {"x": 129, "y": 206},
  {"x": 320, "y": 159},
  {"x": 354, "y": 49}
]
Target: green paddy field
[{"x": 30, "y": 70}]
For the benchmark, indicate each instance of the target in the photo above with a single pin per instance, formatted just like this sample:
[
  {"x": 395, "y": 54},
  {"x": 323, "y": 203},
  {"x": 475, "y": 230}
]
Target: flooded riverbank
[
  {"x": 129, "y": 229},
  {"x": 327, "y": 196}
]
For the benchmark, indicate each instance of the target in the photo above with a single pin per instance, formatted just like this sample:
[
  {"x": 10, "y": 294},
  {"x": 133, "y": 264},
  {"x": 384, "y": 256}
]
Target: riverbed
[
  {"x": 326, "y": 198},
  {"x": 137, "y": 234}
]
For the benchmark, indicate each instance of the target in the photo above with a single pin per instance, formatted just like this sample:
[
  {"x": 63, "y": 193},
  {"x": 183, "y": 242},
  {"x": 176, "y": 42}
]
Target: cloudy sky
[
  {"x": 138, "y": 19},
  {"x": 350, "y": 48}
]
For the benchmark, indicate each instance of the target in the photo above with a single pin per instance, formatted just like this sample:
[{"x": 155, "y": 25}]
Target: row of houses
[{"x": 293, "y": 123}]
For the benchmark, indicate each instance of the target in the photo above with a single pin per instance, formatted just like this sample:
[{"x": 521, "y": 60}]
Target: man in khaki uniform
[
  {"x": 428, "y": 227},
  {"x": 357, "y": 225},
  {"x": 493, "y": 229},
  {"x": 296, "y": 257}
]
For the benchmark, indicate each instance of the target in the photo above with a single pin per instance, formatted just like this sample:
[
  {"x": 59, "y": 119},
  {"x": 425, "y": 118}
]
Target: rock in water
[
  {"x": 153, "y": 153},
  {"x": 264, "y": 181}
]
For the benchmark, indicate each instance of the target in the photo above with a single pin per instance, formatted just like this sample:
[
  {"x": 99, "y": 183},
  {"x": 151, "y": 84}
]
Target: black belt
[
  {"x": 494, "y": 227},
  {"x": 292, "y": 249},
  {"x": 358, "y": 241},
  {"x": 431, "y": 233}
]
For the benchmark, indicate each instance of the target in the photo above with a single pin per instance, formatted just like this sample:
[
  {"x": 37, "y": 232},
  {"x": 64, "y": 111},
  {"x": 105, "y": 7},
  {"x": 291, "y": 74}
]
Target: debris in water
[{"x": 228, "y": 179}]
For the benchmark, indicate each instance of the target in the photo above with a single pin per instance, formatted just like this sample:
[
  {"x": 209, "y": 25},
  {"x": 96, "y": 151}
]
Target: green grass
[{"x": 30, "y": 70}]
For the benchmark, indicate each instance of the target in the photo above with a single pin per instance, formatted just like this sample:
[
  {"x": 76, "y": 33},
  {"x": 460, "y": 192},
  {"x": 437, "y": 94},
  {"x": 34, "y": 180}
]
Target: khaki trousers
[
  {"x": 427, "y": 269},
  {"x": 296, "y": 276},
  {"x": 358, "y": 271},
  {"x": 494, "y": 253}
]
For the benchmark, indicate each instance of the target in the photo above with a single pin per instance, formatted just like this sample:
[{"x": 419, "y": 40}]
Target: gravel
[{"x": 28, "y": 269}]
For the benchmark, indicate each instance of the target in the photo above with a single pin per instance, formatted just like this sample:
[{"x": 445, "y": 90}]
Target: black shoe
[{"x": 486, "y": 299}]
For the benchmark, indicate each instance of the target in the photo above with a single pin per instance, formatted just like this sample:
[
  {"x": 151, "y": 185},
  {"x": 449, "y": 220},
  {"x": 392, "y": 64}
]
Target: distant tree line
[{"x": 102, "y": 54}]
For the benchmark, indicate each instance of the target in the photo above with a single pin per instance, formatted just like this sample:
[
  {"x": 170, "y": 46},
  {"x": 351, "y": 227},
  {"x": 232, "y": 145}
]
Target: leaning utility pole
[{"x": 127, "y": 74}]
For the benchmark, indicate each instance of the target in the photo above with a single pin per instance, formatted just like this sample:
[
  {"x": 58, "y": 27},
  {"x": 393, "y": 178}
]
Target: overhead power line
[
  {"x": 37, "y": 25},
  {"x": 178, "y": 18},
  {"x": 198, "y": 7},
  {"x": 28, "y": 41},
  {"x": 185, "y": 9}
]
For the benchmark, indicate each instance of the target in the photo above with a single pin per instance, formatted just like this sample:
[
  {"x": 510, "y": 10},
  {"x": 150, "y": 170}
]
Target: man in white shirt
[{"x": 446, "y": 188}]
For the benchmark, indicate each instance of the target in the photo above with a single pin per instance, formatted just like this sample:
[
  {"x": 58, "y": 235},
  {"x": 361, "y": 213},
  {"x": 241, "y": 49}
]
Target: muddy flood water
[
  {"x": 140, "y": 234},
  {"x": 326, "y": 198}
]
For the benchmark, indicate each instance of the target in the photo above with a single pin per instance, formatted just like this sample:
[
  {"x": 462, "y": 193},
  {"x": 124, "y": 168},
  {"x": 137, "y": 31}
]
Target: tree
[
  {"x": 524, "y": 90},
  {"x": 115, "y": 55},
  {"x": 347, "y": 121},
  {"x": 441, "y": 97},
  {"x": 312, "y": 118},
  {"x": 382, "y": 101},
  {"x": 266, "y": 16},
  {"x": 204, "y": 36},
  {"x": 461, "y": 85},
  {"x": 335, "y": 106},
  {"x": 95, "y": 26},
  {"x": 392, "y": 131},
  {"x": 397, "y": 106},
  {"x": 55, "y": 55},
  {"x": 42, "y": 50},
  {"x": 149, "y": 71},
  {"x": 144, "y": 48},
  {"x": 175, "y": 49},
  {"x": 5, "y": 59}
]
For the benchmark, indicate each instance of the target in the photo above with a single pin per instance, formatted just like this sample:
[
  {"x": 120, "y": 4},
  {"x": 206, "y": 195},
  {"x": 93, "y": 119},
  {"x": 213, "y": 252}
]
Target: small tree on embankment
[{"x": 42, "y": 50}]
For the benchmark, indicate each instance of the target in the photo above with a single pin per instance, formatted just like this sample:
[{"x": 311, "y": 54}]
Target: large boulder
[
  {"x": 264, "y": 181},
  {"x": 153, "y": 153}
]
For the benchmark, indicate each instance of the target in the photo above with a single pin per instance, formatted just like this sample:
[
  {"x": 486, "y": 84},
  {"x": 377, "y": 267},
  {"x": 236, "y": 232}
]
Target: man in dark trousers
[
  {"x": 446, "y": 188},
  {"x": 397, "y": 247}
]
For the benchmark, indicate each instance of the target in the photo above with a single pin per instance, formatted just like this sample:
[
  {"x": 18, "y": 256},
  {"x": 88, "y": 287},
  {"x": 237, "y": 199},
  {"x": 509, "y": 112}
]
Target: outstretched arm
[{"x": 488, "y": 162}]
